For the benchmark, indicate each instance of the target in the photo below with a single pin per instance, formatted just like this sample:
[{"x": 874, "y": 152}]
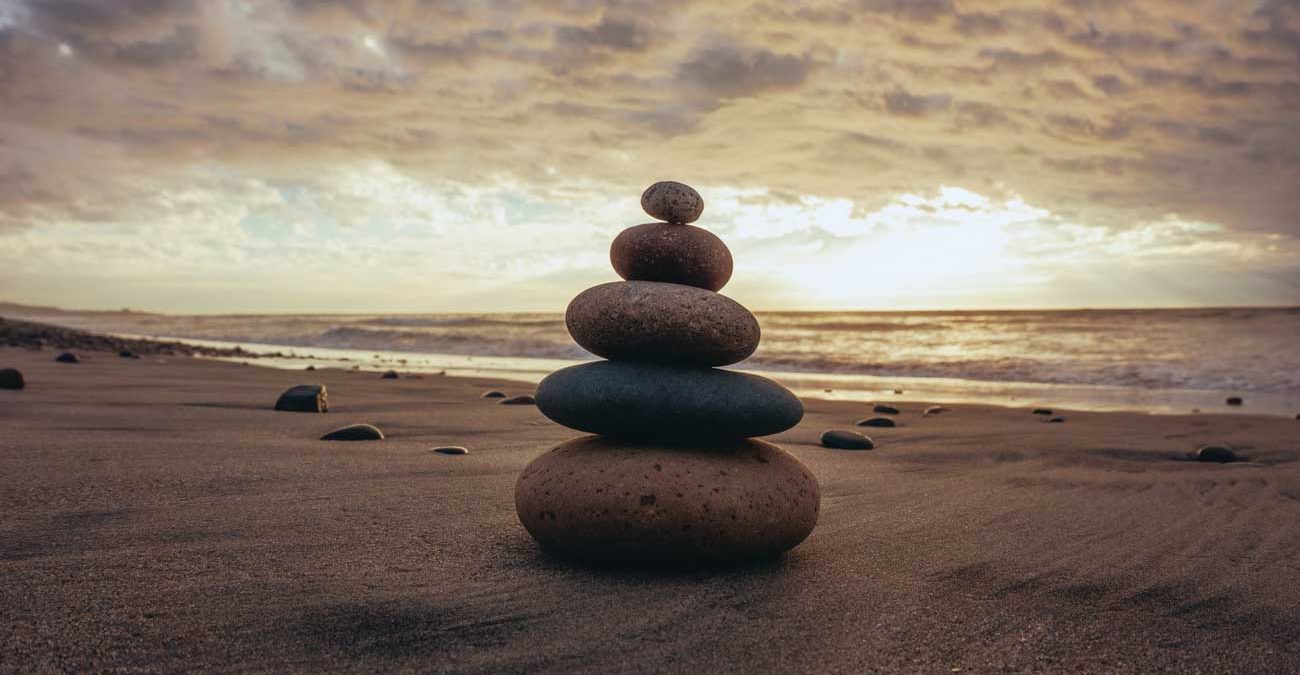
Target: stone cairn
[{"x": 674, "y": 473}]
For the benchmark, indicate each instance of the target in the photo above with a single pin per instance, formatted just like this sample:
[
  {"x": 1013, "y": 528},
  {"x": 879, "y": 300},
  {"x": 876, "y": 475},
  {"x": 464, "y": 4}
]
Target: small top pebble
[{"x": 672, "y": 202}]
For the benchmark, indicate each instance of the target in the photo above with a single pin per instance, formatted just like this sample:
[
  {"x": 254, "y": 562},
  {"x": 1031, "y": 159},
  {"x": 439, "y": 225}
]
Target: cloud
[{"x": 1109, "y": 115}]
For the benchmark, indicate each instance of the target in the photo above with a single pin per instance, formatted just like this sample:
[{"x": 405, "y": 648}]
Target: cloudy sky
[{"x": 443, "y": 155}]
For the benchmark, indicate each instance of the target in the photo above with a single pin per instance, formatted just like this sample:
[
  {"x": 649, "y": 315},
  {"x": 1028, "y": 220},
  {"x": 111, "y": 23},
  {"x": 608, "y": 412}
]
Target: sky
[{"x": 442, "y": 155}]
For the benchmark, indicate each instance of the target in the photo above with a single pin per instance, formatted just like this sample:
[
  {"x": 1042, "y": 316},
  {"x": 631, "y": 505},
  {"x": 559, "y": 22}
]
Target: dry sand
[{"x": 158, "y": 515}]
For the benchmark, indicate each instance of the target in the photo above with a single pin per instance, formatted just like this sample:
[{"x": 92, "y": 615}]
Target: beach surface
[{"x": 156, "y": 515}]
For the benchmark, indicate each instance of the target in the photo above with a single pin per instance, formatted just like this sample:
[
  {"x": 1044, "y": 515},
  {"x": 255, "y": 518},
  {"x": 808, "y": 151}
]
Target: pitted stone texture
[
  {"x": 655, "y": 322},
  {"x": 600, "y": 499},
  {"x": 674, "y": 254},
  {"x": 642, "y": 400},
  {"x": 672, "y": 201}
]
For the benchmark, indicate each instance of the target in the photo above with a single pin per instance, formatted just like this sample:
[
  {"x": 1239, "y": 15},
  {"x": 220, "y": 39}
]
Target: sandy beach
[{"x": 159, "y": 516}]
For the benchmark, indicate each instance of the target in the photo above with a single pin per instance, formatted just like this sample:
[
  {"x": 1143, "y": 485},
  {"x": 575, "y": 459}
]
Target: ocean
[{"x": 1155, "y": 360}]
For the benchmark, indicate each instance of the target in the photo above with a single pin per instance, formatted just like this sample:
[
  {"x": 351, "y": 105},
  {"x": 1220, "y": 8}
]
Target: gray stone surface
[
  {"x": 655, "y": 401},
  {"x": 672, "y": 201},
  {"x": 312, "y": 398},
  {"x": 662, "y": 323}
]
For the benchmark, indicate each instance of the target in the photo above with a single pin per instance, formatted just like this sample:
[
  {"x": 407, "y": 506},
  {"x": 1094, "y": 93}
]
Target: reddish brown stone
[
  {"x": 600, "y": 499},
  {"x": 674, "y": 254}
]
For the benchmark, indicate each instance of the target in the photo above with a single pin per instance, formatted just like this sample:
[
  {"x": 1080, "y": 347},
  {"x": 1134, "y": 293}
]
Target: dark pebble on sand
[
  {"x": 355, "y": 432},
  {"x": 846, "y": 440},
  {"x": 886, "y": 409},
  {"x": 67, "y": 357},
  {"x": 312, "y": 398},
  {"x": 936, "y": 410},
  {"x": 1216, "y": 453},
  {"x": 390, "y": 375},
  {"x": 898, "y": 391},
  {"x": 128, "y": 354},
  {"x": 451, "y": 450},
  {"x": 1056, "y": 420},
  {"x": 493, "y": 393},
  {"x": 1042, "y": 411},
  {"x": 310, "y": 368},
  {"x": 522, "y": 399},
  {"x": 11, "y": 379},
  {"x": 883, "y": 422},
  {"x": 1234, "y": 400}
]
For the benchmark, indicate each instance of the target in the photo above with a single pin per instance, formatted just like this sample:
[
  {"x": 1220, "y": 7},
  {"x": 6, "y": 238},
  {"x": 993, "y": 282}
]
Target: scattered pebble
[
  {"x": 355, "y": 432},
  {"x": 452, "y": 450},
  {"x": 1234, "y": 400},
  {"x": 67, "y": 357},
  {"x": 493, "y": 393},
  {"x": 128, "y": 354},
  {"x": 522, "y": 399},
  {"x": 846, "y": 440},
  {"x": 1056, "y": 420},
  {"x": 898, "y": 391},
  {"x": 312, "y": 398},
  {"x": 11, "y": 379},
  {"x": 886, "y": 409},
  {"x": 1216, "y": 453},
  {"x": 389, "y": 375},
  {"x": 1042, "y": 411},
  {"x": 673, "y": 202},
  {"x": 310, "y": 368},
  {"x": 876, "y": 422},
  {"x": 936, "y": 410}
]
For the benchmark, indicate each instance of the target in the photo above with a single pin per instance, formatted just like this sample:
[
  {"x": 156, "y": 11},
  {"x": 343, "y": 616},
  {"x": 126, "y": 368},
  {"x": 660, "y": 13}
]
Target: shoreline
[{"x": 159, "y": 516}]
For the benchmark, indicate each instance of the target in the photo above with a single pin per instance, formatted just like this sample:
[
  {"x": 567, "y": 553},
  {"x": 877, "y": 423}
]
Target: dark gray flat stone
[{"x": 643, "y": 400}]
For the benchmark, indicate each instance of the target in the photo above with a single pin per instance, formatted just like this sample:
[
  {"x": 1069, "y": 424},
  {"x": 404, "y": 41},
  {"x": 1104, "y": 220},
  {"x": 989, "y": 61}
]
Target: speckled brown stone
[
  {"x": 673, "y": 202},
  {"x": 655, "y": 322},
  {"x": 675, "y": 254},
  {"x": 598, "y": 499}
]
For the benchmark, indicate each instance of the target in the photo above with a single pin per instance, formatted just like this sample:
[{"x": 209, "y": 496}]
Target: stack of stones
[{"x": 674, "y": 473}]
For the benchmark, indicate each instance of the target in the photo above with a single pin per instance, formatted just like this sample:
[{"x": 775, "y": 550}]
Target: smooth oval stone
[
  {"x": 886, "y": 409},
  {"x": 1216, "y": 453},
  {"x": 521, "y": 399},
  {"x": 672, "y": 201},
  {"x": 643, "y": 400},
  {"x": 11, "y": 379},
  {"x": 68, "y": 357},
  {"x": 389, "y": 375},
  {"x": 452, "y": 450},
  {"x": 882, "y": 422},
  {"x": 311, "y": 398},
  {"x": 674, "y": 254},
  {"x": 355, "y": 432},
  {"x": 1234, "y": 400},
  {"x": 662, "y": 323},
  {"x": 605, "y": 500},
  {"x": 846, "y": 440},
  {"x": 493, "y": 393}
]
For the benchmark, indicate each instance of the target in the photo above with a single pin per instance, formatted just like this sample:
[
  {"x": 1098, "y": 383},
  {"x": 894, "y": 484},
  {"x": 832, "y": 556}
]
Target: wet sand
[{"x": 158, "y": 515}]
